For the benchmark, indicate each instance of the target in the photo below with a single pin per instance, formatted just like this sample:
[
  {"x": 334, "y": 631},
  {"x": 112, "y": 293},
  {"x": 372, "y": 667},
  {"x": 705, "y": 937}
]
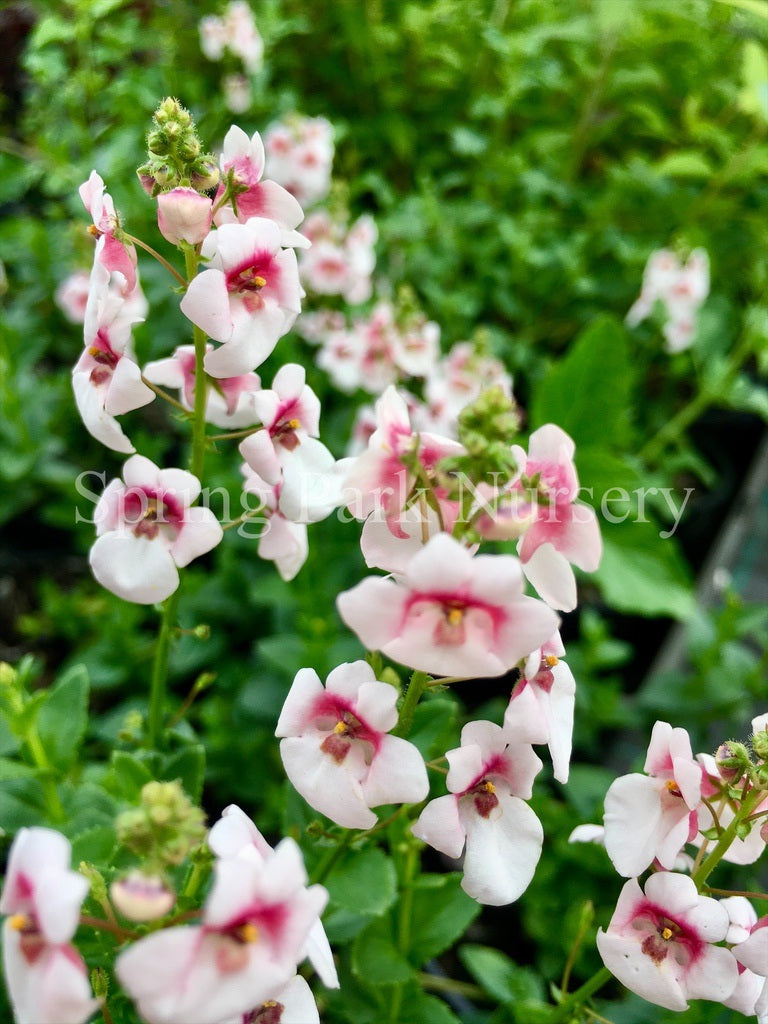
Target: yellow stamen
[
  {"x": 93, "y": 230},
  {"x": 551, "y": 660},
  {"x": 340, "y": 728},
  {"x": 248, "y": 932},
  {"x": 269, "y": 1004},
  {"x": 673, "y": 787},
  {"x": 259, "y": 281},
  {"x": 18, "y": 922},
  {"x": 455, "y": 615},
  {"x": 94, "y": 351},
  {"x": 294, "y": 424},
  {"x": 666, "y": 933},
  {"x": 489, "y": 787}
]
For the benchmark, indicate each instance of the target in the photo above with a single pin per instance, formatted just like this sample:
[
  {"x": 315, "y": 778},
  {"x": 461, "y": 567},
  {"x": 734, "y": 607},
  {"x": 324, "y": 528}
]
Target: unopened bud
[
  {"x": 96, "y": 880},
  {"x": 189, "y": 149},
  {"x": 203, "y": 632},
  {"x": 205, "y": 175},
  {"x": 732, "y": 760},
  {"x": 388, "y": 675},
  {"x": 760, "y": 744},
  {"x": 183, "y": 215},
  {"x": 141, "y": 897},
  {"x": 157, "y": 143},
  {"x": 99, "y": 983}
]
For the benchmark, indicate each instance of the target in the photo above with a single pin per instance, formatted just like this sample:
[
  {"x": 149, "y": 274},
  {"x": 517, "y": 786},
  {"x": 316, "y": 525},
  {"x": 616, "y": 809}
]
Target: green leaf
[
  {"x": 435, "y": 728},
  {"x": 95, "y": 845},
  {"x": 643, "y": 574},
  {"x": 376, "y": 960},
  {"x": 10, "y": 769},
  {"x": 501, "y": 977},
  {"x": 421, "y": 1008},
  {"x": 128, "y": 775},
  {"x": 64, "y": 716},
  {"x": 364, "y": 882},
  {"x": 753, "y": 98},
  {"x": 187, "y": 765},
  {"x": 440, "y": 915},
  {"x": 685, "y": 163},
  {"x": 588, "y": 393}
]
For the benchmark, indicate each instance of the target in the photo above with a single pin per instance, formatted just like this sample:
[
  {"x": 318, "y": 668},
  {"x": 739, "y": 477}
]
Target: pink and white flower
[
  {"x": 659, "y": 943},
  {"x": 484, "y": 812},
  {"x": 114, "y": 254},
  {"x": 244, "y": 159},
  {"x": 743, "y": 849},
  {"x": 236, "y": 835},
  {"x": 450, "y": 614},
  {"x": 106, "y": 379},
  {"x": 565, "y": 531},
  {"x": 46, "y": 977},
  {"x": 752, "y": 983},
  {"x": 184, "y": 215},
  {"x": 230, "y": 403},
  {"x": 71, "y": 296},
  {"x": 293, "y": 1004},
  {"x": 541, "y": 705},
  {"x": 378, "y": 480},
  {"x": 300, "y": 155},
  {"x": 147, "y": 530},
  {"x": 290, "y": 414},
  {"x": 235, "y": 32},
  {"x": 254, "y": 931},
  {"x": 680, "y": 287},
  {"x": 341, "y": 259},
  {"x": 280, "y": 541},
  {"x": 247, "y": 298},
  {"x": 335, "y": 747},
  {"x": 651, "y": 817},
  {"x": 458, "y": 379}
]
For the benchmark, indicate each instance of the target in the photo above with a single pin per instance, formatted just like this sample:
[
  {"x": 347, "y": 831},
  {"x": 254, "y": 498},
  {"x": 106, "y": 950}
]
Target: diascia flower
[
  {"x": 106, "y": 379},
  {"x": 659, "y": 943},
  {"x": 336, "y": 750},
  {"x": 244, "y": 158},
  {"x": 247, "y": 298},
  {"x": 235, "y": 835},
  {"x": 184, "y": 215},
  {"x": 46, "y": 977},
  {"x": 541, "y": 705},
  {"x": 147, "y": 530},
  {"x": 651, "y": 817},
  {"x": 450, "y": 613},
  {"x": 113, "y": 254},
  {"x": 256, "y": 921},
  {"x": 483, "y": 811},
  {"x": 565, "y": 531}
]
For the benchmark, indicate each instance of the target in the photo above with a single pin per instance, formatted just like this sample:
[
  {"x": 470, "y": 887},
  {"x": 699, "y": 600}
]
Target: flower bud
[
  {"x": 760, "y": 744},
  {"x": 183, "y": 215},
  {"x": 205, "y": 175},
  {"x": 100, "y": 982},
  {"x": 157, "y": 143},
  {"x": 732, "y": 760},
  {"x": 141, "y": 897}
]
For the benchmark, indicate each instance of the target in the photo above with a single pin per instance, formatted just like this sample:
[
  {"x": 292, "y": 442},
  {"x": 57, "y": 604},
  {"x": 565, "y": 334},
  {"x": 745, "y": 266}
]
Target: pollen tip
[
  {"x": 340, "y": 728},
  {"x": 18, "y": 922},
  {"x": 249, "y": 932},
  {"x": 294, "y": 424},
  {"x": 551, "y": 660}
]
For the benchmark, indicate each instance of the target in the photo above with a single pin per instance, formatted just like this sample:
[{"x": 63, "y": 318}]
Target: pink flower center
[
  {"x": 31, "y": 941},
  {"x": 249, "y": 278},
  {"x": 270, "y": 1012},
  {"x": 148, "y": 510},
  {"x": 663, "y": 935},
  {"x": 484, "y": 797},
  {"x": 334, "y": 716}
]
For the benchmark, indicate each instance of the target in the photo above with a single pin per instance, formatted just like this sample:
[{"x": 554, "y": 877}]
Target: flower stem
[
  {"x": 405, "y": 912},
  {"x": 43, "y": 765},
  {"x": 160, "y": 672},
  {"x": 705, "y": 869},
  {"x": 201, "y": 382},
  {"x": 564, "y": 1011},
  {"x": 164, "y": 395},
  {"x": 154, "y": 253},
  {"x": 416, "y": 687}
]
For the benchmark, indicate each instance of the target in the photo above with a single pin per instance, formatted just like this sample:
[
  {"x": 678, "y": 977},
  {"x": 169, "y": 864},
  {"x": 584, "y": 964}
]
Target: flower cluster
[
  {"x": 342, "y": 256},
  {"x": 446, "y": 611},
  {"x": 235, "y": 33},
  {"x": 667, "y": 941},
  {"x": 300, "y": 156},
  {"x": 244, "y": 298},
  {"x": 681, "y": 288}
]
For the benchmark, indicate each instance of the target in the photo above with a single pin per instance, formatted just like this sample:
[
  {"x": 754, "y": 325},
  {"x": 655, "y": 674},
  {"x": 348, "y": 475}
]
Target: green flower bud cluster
[
  {"x": 164, "y": 828},
  {"x": 487, "y": 428},
  {"x": 176, "y": 157}
]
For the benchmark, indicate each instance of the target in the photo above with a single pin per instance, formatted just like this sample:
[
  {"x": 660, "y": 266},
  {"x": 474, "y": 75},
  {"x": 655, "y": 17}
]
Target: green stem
[
  {"x": 39, "y": 756},
  {"x": 573, "y": 1002},
  {"x": 155, "y": 254},
  {"x": 404, "y": 916},
  {"x": 416, "y": 687},
  {"x": 436, "y": 983},
  {"x": 160, "y": 671},
  {"x": 201, "y": 383},
  {"x": 748, "y": 804}
]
